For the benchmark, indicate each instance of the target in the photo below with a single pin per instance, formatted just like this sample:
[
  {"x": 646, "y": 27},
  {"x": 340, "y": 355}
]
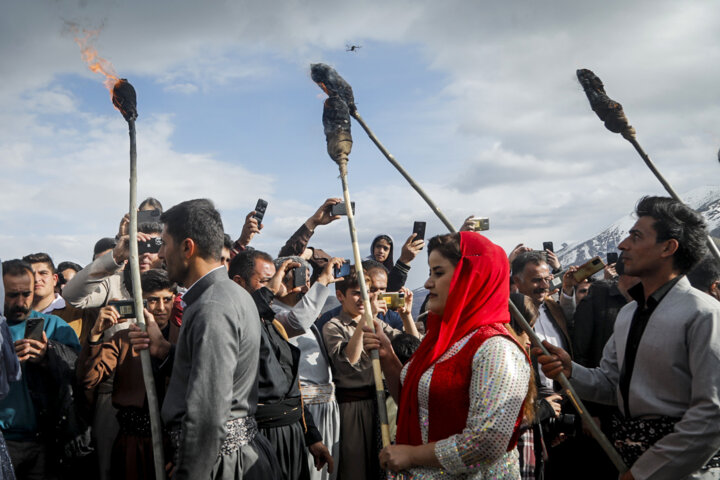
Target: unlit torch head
[
  {"x": 608, "y": 110},
  {"x": 124, "y": 99},
  {"x": 332, "y": 83},
  {"x": 336, "y": 121}
]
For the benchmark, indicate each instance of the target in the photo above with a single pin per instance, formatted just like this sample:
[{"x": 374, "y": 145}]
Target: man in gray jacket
[
  {"x": 212, "y": 395},
  {"x": 661, "y": 366}
]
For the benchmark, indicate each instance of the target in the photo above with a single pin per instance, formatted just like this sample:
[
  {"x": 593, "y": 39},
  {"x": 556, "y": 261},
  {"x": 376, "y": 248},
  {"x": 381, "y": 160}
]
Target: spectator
[
  {"x": 280, "y": 409},
  {"x": 102, "y": 280},
  {"x": 37, "y": 415},
  {"x": 355, "y": 385},
  {"x": 705, "y": 276},
  {"x": 66, "y": 271},
  {"x": 46, "y": 300},
  {"x": 132, "y": 456},
  {"x": 381, "y": 250}
]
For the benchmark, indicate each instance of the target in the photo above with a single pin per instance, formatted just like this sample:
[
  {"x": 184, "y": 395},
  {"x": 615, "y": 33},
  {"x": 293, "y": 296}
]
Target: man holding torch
[
  {"x": 212, "y": 395},
  {"x": 661, "y": 367}
]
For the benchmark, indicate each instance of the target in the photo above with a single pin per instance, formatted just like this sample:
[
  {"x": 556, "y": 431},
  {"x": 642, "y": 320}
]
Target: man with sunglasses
[{"x": 30, "y": 412}]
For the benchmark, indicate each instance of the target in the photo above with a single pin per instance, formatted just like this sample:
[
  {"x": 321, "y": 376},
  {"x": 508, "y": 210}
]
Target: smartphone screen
[
  {"x": 548, "y": 246},
  {"x": 419, "y": 229},
  {"x": 299, "y": 276},
  {"x": 612, "y": 257},
  {"x": 344, "y": 269},
  {"x": 260, "y": 208},
  {"x": 34, "y": 328},
  {"x": 341, "y": 209}
]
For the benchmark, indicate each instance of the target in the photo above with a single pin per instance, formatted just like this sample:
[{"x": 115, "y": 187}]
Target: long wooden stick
[
  {"x": 631, "y": 138},
  {"x": 402, "y": 171},
  {"x": 367, "y": 314},
  {"x": 569, "y": 390},
  {"x": 148, "y": 379}
]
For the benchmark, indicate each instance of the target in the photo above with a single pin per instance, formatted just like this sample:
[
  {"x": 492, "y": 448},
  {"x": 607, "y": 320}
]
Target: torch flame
[{"x": 95, "y": 62}]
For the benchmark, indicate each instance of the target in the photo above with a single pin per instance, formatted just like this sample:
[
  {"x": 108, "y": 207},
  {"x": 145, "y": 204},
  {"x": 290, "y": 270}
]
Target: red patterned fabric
[
  {"x": 177, "y": 311},
  {"x": 478, "y": 297}
]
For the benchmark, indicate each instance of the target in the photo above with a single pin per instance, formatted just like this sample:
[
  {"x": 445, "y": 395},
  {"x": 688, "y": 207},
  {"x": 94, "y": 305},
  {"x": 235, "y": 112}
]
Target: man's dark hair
[
  {"x": 675, "y": 220},
  {"x": 40, "y": 258},
  {"x": 151, "y": 202},
  {"x": 17, "y": 268},
  {"x": 404, "y": 345},
  {"x": 198, "y": 220},
  {"x": 155, "y": 279},
  {"x": 65, "y": 265},
  {"x": 704, "y": 274},
  {"x": 227, "y": 242},
  {"x": 371, "y": 264},
  {"x": 350, "y": 280},
  {"x": 150, "y": 228},
  {"x": 243, "y": 264},
  {"x": 447, "y": 245},
  {"x": 103, "y": 245},
  {"x": 518, "y": 265}
]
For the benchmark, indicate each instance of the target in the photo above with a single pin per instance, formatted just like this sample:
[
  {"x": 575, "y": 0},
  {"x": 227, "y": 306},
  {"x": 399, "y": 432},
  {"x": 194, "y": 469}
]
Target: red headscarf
[{"x": 479, "y": 295}]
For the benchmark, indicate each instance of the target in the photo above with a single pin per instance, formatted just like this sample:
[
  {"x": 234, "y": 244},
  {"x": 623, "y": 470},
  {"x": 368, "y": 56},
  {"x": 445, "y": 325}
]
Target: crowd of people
[{"x": 261, "y": 371}]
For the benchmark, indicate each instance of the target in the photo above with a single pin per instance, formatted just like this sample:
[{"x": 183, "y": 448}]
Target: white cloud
[{"x": 510, "y": 135}]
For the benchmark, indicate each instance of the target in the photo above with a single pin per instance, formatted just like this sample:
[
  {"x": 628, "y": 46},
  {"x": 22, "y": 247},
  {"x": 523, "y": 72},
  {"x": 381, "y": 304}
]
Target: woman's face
[
  {"x": 381, "y": 250},
  {"x": 438, "y": 283}
]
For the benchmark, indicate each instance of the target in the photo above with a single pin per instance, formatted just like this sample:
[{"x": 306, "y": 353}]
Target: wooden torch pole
[
  {"x": 149, "y": 380},
  {"x": 367, "y": 313}
]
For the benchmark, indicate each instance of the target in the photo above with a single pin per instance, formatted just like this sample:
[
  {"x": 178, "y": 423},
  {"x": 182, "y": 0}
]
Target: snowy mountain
[{"x": 705, "y": 200}]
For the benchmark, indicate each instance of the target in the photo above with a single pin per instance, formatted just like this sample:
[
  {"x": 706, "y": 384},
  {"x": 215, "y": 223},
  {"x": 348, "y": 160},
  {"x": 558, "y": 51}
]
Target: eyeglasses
[{"x": 17, "y": 294}]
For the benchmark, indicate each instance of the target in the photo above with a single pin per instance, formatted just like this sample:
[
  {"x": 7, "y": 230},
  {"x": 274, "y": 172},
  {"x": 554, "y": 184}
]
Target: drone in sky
[{"x": 352, "y": 48}]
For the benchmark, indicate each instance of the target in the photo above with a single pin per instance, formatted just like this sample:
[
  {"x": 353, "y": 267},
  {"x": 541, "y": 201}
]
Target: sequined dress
[{"x": 499, "y": 383}]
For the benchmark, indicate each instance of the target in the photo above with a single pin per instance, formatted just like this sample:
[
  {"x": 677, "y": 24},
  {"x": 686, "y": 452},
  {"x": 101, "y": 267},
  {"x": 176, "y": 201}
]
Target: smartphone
[
  {"x": 126, "y": 308},
  {"x": 260, "y": 208},
  {"x": 480, "y": 223},
  {"x": 556, "y": 282},
  {"x": 612, "y": 257},
  {"x": 341, "y": 209},
  {"x": 299, "y": 276},
  {"x": 394, "y": 299},
  {"x": 419, "y": 229},
  {"x": 34, "y": 328},
  {"x": 343, "y": 270},
  {"x": 148, "y": 216},
  {"x": 151, "y": 246},
  {"x": 548, "y": 246},
  {"x": 589, "y": 268}
]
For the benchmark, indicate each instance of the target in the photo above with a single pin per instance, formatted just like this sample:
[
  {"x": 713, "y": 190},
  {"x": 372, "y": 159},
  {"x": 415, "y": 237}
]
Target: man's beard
[{"x": 18, "y": 312}]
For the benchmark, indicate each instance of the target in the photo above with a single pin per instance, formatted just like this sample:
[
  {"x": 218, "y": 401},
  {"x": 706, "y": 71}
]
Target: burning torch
[
  {"x": 336, "y": 121},
  {"x": 124, "y": 99},
  {"x": 611, "y": 113}
]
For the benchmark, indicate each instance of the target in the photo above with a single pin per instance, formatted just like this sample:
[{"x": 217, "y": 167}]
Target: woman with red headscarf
[{"x": 461, "y": 396}]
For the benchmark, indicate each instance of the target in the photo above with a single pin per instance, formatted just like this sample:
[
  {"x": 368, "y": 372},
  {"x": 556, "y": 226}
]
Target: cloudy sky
[{"x": 478, "y": 100}]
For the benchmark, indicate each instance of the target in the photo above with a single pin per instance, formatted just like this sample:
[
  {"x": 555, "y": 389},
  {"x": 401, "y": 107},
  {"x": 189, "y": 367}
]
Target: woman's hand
[{"x": 397, "y": 457}]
